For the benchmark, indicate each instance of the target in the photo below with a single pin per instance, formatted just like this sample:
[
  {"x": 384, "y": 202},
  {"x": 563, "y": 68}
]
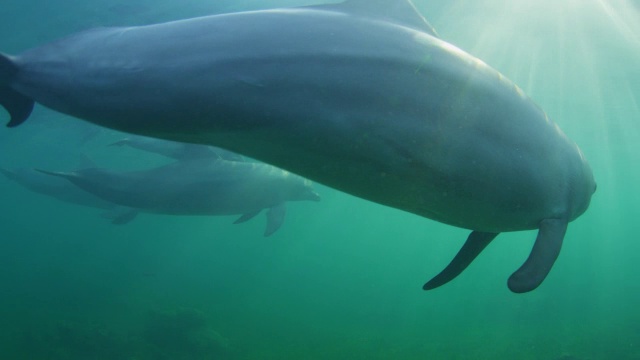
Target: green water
[{"x": 342, "y": 278}]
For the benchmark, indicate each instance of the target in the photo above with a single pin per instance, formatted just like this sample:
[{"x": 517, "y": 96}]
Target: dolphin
[
  {"x": 66, "y": 192},
  {"x": 176, "y": 150},
  {"x": 362, "y": 96},
  {"x": 199, "y": 187}
]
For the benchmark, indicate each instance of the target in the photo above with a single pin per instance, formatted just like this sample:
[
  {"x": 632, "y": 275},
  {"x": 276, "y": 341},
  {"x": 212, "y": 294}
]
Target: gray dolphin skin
[
  {"x": 361, "y": 96},
  {"x": 199, "y": 187},
  {"x": 176, "y": 150},
  {"x": 64, "y": 191}
]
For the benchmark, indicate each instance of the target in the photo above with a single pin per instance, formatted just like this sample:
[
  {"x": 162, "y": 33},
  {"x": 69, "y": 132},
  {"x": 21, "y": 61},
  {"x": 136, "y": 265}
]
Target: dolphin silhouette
[
  {"x": 200, "y": 186},
  {"x": 362, "y": 96}
]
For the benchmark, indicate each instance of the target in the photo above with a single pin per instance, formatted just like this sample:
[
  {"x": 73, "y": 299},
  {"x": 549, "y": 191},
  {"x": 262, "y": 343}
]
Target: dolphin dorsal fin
[{"x": 401, "y": 12}]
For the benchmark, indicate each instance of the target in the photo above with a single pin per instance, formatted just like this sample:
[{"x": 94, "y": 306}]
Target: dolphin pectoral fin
[
  {"x": 65, "y": 175},
  {"x": 121, "y": 215},
  {"x": 10, "y": 174},
  {"x": 18, "y": 106},
  {"x": 275, "y": 218},
  {"x": 246, "y": 217},
  {"x": 544, "y": 253},
  {"x": 121, "y": 142},
  {"x": 125, "y": 218},
  {"x": 476, "y": 242}
]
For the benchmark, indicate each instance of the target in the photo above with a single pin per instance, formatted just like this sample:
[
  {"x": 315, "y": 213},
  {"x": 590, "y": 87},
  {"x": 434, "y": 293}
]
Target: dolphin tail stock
[
  {"x": 17, "y": 105},
  {"x": 476, "y": 242},
  {"x": 542, "y": 257}
]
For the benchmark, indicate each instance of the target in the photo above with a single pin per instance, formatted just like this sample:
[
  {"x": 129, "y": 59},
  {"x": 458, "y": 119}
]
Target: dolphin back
[{"x": 17, "y": 105}]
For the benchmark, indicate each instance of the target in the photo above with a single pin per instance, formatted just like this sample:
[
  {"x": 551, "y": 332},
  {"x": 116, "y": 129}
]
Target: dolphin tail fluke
[
  {"x": 17, "y": 105},
  {"x": 544, "y": 253},
  {"x": 476, "y": 242},
  {"x": 275, "y": 218}
]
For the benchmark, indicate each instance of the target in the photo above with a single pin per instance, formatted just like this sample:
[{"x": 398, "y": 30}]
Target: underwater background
[{"x": 342, "y": 278}]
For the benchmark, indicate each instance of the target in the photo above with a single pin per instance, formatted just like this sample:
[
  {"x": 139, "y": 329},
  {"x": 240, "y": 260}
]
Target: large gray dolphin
[
  {"x": 66, "y": 192},
  {"x": 202, "y": 186},
  {"x": 361, "y": 96}
]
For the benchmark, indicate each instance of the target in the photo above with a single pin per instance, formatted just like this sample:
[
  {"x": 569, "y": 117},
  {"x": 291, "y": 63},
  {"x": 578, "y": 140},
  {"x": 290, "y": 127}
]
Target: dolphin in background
[
  {"x": 199, "y": 187},
  {"x": 362, "y": 96},
  {"x": 176, "y": 150},
  {"x": 64, "y": 191}
]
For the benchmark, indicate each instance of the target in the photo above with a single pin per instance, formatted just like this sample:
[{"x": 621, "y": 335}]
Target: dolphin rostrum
[
  {"x": 201, "y": 186},
  {"x": 362, "y": 96}
]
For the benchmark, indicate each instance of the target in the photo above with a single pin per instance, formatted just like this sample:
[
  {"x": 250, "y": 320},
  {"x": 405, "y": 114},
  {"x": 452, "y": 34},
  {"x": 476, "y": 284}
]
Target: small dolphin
[
  {"x": 362, "y": 96},
  {"x": 66, "y": 192},
  {"x": 177, "y": 150},
  {"x": 199, "y": 187}
]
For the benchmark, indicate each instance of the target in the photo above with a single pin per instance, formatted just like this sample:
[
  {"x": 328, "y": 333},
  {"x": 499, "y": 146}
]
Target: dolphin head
[{"x": 301, "y": 189}]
